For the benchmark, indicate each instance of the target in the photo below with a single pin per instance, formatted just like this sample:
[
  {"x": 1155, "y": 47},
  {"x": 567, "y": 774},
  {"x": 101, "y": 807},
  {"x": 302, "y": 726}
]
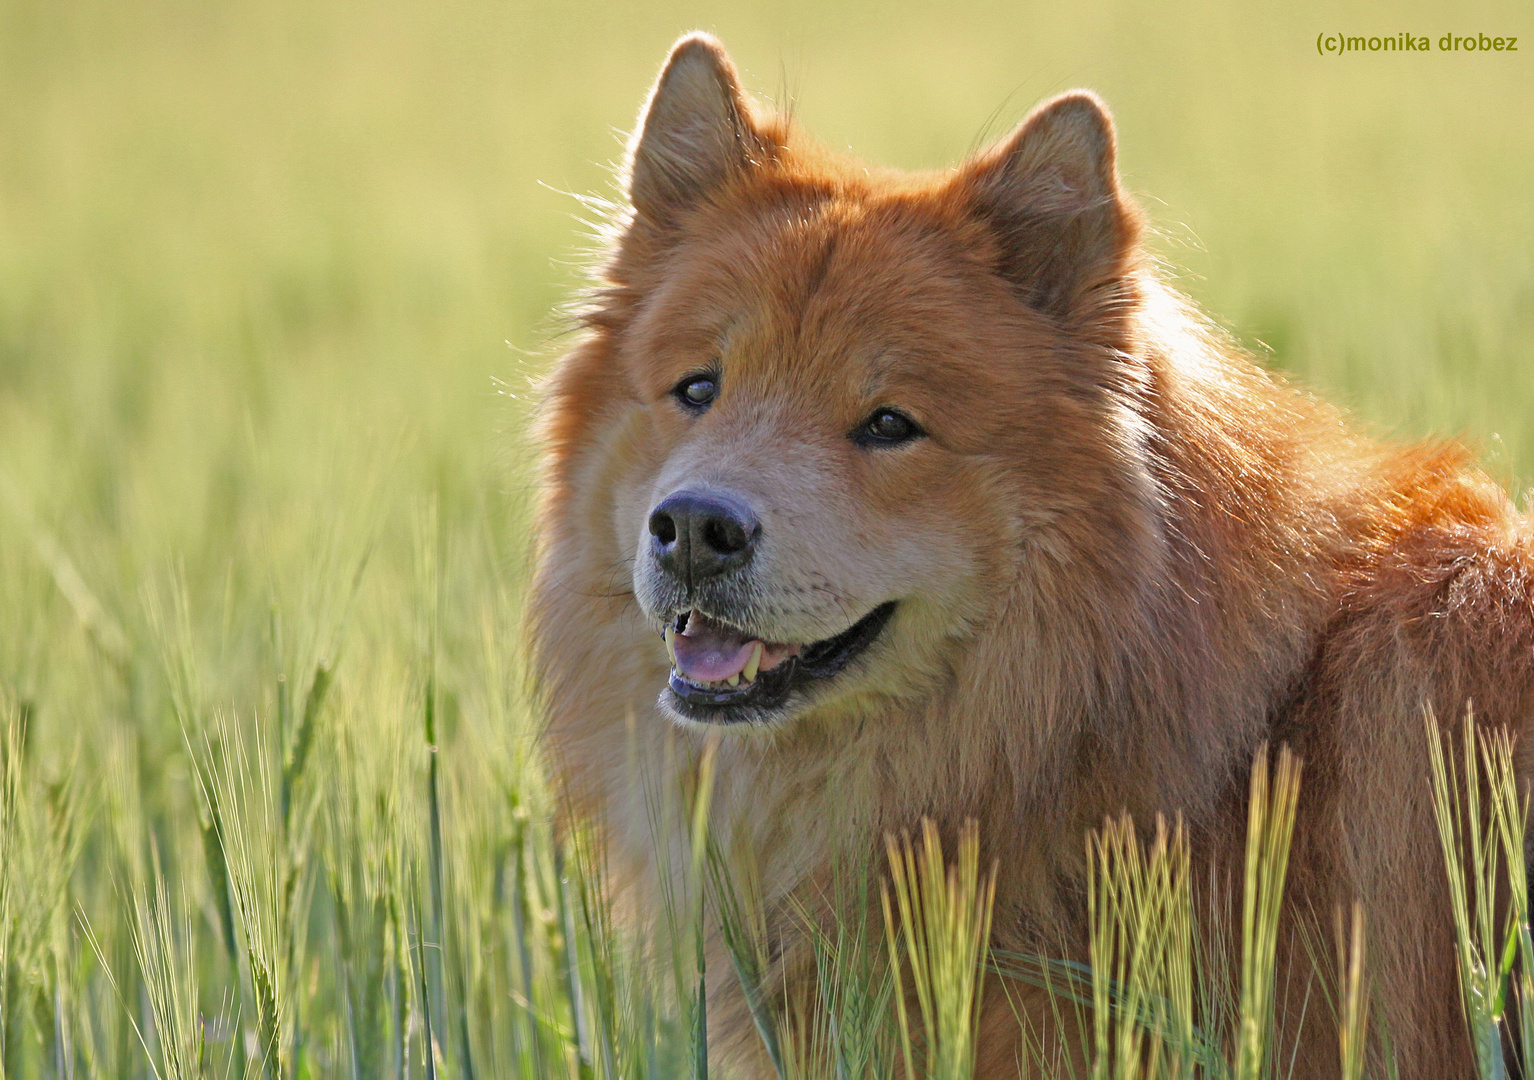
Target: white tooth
[
  {"x": 671, "y": 645},
  {"x": 754, "y": 663},
  {"x": 734, "y": 680}
]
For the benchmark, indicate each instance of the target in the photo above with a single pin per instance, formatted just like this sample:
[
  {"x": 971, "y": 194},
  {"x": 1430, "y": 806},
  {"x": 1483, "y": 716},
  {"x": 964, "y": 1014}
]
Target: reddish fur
[{"x": 1151, "y": 556}]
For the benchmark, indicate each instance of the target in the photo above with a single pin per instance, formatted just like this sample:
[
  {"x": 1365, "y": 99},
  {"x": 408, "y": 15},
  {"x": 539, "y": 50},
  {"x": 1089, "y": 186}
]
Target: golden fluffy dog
[{"x": 926, "y": 497}]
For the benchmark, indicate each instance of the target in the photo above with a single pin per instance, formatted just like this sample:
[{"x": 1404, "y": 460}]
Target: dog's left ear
[{"x": 1067, "y": 234}]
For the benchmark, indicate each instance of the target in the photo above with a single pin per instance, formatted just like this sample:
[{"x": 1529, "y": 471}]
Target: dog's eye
[
  {"x": 697, "y": 391},
  {"x": 886, "y": 427}
]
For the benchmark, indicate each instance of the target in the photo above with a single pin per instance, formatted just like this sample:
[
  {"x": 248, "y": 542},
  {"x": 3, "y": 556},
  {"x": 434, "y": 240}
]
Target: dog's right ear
[
  {"x": 1067, "y": 232},
  {"x": 694, "y": 134}
]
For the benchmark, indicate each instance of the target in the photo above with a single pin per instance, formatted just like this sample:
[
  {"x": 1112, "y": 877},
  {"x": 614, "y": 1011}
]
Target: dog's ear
[
  {"x": 1050, "y": 190},
  {"x": 694, "y": 134}
]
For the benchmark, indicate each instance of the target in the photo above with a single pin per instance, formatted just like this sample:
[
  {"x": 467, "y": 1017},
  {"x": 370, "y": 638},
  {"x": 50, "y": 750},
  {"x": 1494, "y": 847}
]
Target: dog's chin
[{"x": 810, "y": 676}]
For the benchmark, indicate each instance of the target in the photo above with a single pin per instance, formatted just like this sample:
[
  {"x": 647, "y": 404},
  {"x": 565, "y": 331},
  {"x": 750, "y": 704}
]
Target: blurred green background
[
  {"x": 235, "y": 224},
  {"x": 277, "y": 281}
]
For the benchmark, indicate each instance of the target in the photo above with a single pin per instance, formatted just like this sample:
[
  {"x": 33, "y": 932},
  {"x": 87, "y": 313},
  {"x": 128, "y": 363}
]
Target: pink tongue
[{"x": 708, "y": 652}]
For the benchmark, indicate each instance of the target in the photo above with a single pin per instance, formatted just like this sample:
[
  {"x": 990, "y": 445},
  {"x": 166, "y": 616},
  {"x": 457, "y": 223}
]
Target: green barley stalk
[
  {"x": 429, "y": 1055},
  {"x": 43, "y": 832},
  {"x": 842, "y": 1028},
  {"x": 1270, "y": 827},
  {"x": 1140, "y": 911},
  {"x": 435, "y": 970},
  {"x": 683, "y": 887},
  {"x": 109, "y": 973},
  {"x": 527, "y": 1022},
  {"x": 739, "y": 912},
  {"x": 1457, "y": 811},
  {"x": 1511, "y": 813},
  {"x": 65, "y": 1011},
  {"x": 163, "y": 941},
  {"x": 124, "y": 807},
  {"x": 1488, "y": 947},
  {"x": 257, "y": 883},
  {"x": 1353, "y": 1018},
  {"x": 664, "y": 813},
  {"x": 600, "y": 940},
  {"x": 579, "y": 1034},
  {"x": 296, "y": 842},
  {"x": 400, "y": 963},
  {"x": 10, "y": 799},
  {"x": 164, "y": 944},
  {"x": 702, "y": 798},
  {"x": 293, "y": 769},
  {"x": 174, "y": 637},
  {"x": 353, "y": 859},
  {"x": 944, "y": 925},
  {"x": 211, "y": 831},
  {"x": 700, "y": 1008}
]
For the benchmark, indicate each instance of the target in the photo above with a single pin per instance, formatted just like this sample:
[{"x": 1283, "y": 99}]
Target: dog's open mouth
[{"x": 721, "y": 674}]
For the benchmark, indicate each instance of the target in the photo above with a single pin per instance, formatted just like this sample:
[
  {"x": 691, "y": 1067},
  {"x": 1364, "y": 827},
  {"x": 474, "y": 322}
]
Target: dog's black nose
[{"x": 700, "y": 535}]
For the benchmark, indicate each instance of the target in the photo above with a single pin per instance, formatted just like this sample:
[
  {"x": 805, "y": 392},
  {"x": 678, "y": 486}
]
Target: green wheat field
[{"x": 278, "y": 279}]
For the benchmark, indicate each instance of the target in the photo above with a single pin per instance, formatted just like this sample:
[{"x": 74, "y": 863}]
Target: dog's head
[{"x": 844, "y": 412}]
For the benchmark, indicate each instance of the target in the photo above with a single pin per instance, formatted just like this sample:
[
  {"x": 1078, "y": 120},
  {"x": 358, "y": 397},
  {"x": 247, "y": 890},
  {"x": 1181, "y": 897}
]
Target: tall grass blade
[
  {"x": 944, "y": 927},
  {"x": 737, "y": 905},
  {"x": 258, "y": 882},
  {"x": 163, "y": 942},
  {"x": 1510, "y": 810},
  {"x": 1353, "y": 1019},
  {"x": 1270, "y": 827},
  {"x": 293, "y": 770},
  {"x": 703, "y": 794},
  {"x": 1140, "y": 914},
  {"x": 1457, "y": 811},
  {"x": 1483, "y": 850}
]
